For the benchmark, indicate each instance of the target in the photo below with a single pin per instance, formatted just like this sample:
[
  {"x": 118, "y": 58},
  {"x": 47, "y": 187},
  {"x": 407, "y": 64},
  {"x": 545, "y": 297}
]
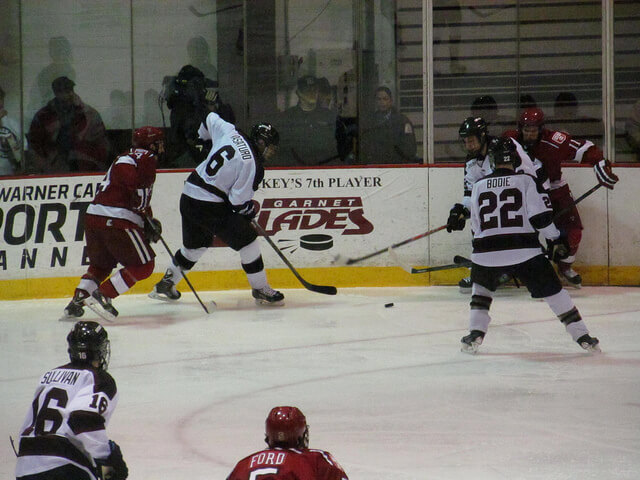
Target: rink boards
[{"x": 313, "y": 215}]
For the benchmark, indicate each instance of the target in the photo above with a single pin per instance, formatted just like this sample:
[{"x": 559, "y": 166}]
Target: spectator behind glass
[
  {"x": 67, "y": 135},
  {"x": 632, "y": 130},
  {"x": 10, "y": 142},
  {"x": 307, "y": 130},
  {"x": 390, "y": 138}
]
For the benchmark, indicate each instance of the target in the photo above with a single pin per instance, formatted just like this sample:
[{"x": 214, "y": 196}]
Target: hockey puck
[
  {"x": 316, "y": 241},
  {"x": 388, "y": 305}
]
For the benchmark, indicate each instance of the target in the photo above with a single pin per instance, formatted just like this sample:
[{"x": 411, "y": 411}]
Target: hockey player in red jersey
[
  {"x": 119, "y": 227},
  {"x": 64, "y": 432},
  {"x": 288, "y": 456},
  {"x": 552, "y": 149}
]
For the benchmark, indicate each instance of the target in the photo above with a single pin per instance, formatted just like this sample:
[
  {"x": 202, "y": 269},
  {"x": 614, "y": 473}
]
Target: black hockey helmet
[
  {"x": 265, "y": 132},
  {"x": 502, "y": 151},
  {"x": 473, "y": 126},
  {"x": 89, "y": 342}
]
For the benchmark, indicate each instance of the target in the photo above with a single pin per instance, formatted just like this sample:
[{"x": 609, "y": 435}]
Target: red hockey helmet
[
  {"x": 286, "y": 427},
  {"x": 531, "y": 117},
  {"x": 143, "y": 137}
]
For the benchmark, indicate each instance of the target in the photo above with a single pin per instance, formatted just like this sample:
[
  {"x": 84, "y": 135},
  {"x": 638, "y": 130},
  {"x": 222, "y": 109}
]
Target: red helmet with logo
[
  {"x": 146, "y": 136},
  {"x": 286, "y": 427},
  {"x": 531, "y": 117}
]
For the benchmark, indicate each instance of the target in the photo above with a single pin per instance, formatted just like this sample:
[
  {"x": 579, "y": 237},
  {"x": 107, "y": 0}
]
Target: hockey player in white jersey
[
  {"x": 217, "y": 200},
  {"x": 477, "y": 143},
  {"x": 508, "y": 211},
  {"x": 64, "y": 433}
]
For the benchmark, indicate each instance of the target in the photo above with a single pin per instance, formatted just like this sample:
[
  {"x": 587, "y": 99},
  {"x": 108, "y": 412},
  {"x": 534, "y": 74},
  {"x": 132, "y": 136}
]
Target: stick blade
[
  {"x": 460, "y": 260},
  {"x": 324, "y": 289}
]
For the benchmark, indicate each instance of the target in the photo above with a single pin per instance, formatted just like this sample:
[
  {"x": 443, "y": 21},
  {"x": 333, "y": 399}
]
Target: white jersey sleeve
[{"x": 531, "y": 167}]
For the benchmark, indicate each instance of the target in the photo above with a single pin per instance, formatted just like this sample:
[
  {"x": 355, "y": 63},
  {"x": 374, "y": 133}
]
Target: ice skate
[
  {"x": 589, "y": 343},
  {"x": 471, "y": 342},
  {"x": 75, "y": 307},
  {"x": 268, "y": 296},
  {"x": 101, "y": 305},
  {"x": 570, "y": 276},
  {"x": 465, "y": 285},
  {"x": 165, "y": 289}
]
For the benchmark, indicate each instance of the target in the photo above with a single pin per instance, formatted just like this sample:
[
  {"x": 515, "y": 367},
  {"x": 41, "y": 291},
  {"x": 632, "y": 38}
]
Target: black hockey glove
[
  {"x": 113, "y": 467},
  {"x": 558, "y": 249},
  {"x": 247, "y": 209},
  {"x": 152, "y": 229},
  {"x": 457, "y": 217},
  {"x": 604, "y": 174}
]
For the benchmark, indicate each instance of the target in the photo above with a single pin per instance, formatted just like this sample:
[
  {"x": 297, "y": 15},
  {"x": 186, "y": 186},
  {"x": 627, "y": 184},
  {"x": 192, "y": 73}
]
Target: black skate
[
  {"x": 101, "y": 305},
  {"x": 471, "y": 342},
  {"x": 589, "y": 343},
  {"x": 465, "y": 285},
  {"x": 571, "y": 277},
  {"x": 268, "y": 296},
  {"x": 165, "y": 289},
  {"x": 74, "y": 309}
]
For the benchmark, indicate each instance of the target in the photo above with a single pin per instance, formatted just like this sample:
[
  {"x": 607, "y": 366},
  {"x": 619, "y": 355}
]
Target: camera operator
[{"x": 190, "y": 97}]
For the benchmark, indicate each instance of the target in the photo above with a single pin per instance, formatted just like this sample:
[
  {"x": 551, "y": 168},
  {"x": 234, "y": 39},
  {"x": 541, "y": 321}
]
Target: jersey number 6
[{"x": 217, "y": 159}]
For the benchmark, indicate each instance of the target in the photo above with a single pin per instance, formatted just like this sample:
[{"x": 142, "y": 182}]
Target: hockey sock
[
  {"x": 481, "y": 299},
  {"x": 562, "y": 305},
  {"x": 88, "y": 283},
  {"x": 252, "y": 264},
  {"x": 186, "y": 258},
  {"x": 125, "y": 278}
]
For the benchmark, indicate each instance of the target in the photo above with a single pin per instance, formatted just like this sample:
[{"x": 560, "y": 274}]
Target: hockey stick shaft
[
  {"x": 351, "y": 261},
  {"x": 184, "y": 275},
  {"x": 327, "y": 290},
  {"x": 576, "y": 201}
]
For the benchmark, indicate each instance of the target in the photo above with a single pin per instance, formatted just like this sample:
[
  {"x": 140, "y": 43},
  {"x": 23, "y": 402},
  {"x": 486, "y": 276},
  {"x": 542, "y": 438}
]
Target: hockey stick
[
  {"x": 458, "y": 262},
  {"x": 184, "y": 275},
  {"x": 576, "y": 201},
  {"x": 327, "y": 290},
  {"x": 351, "y": 261}
]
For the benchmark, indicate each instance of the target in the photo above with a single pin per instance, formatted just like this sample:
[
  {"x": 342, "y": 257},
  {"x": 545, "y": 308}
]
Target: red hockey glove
[{"x": 604, "y": 174}]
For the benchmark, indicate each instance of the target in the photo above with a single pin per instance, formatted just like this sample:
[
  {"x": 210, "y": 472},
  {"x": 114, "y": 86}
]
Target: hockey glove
[
  {"x": 604, "y": 174},
  {"x": 113, "y": 467},
  {"x": 152, "y": 229},
  {"x": 457, "y": 217},
  {"x": 247, "y": 209},
  {"x": 558, "y": 249}
]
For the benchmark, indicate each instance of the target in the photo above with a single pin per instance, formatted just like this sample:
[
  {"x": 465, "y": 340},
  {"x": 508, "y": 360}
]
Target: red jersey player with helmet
[
  {"x": 119, "y": 227},
  {"x": 288, "y": 456},
  {"x": 552, "y": 149}
]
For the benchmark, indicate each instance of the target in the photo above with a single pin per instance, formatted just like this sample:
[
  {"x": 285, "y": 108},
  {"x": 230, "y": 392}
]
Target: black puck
[{"x": 388, "y": 305}]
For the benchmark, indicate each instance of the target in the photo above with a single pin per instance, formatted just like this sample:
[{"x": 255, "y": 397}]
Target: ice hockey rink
[{"x": 386, "y": 390}]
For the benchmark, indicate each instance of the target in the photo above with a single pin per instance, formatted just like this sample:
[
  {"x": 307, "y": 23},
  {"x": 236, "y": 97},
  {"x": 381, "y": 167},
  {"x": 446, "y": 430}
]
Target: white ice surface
[{"x": 386, "y": 390}]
